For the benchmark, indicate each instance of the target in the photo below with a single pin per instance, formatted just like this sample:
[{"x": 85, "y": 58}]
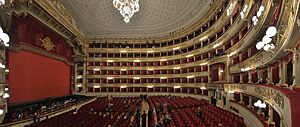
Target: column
[
  {"x": 250, "y": 101},
  {"x": 84, "y": 79},
  {"x": 210, "y": 94},
  {"x": 249, "y": 77},
  {"x": 270, "y": 113},
  {"x": 209, "y": 74},
  {"x": 259, "y": 75},
  {"x": 296, "y": 69},
  {"x": 228, "y": 78},
  {"x": 241, "y": 98},
  {"x": 270, "y": 75},
  {"x": 75, "y": 79},
  {"x": 282, "y": 72},
  {"x": 241, "y": 77}
]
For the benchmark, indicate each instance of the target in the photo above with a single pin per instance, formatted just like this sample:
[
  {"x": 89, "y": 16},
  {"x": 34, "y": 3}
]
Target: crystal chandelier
[{"x": 127, "y": 8}]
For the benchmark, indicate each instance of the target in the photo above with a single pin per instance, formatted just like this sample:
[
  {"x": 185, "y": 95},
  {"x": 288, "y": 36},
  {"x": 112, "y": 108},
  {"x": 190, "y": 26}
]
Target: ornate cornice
[{"x": 24, "y": 46}]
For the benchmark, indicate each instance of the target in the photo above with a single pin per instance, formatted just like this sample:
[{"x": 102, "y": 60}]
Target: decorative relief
[
  {"x": 272, "y": 95},
  {"x": 47, "y": 44}
]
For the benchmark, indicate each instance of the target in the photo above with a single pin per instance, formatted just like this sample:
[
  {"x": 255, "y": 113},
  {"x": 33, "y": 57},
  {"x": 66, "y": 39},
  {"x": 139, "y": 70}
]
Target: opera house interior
[{"x": 149, "y": 63}]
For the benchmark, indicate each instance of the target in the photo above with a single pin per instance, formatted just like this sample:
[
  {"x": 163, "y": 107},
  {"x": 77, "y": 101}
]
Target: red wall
[{"x": 34, "y": 77}]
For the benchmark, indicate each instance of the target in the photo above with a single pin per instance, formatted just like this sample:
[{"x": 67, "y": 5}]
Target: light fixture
[
  {"x": 176, "y": 68},
  {"x": 203, "y": 88},
  {"x": 190, "y": 55},
  {"x": 6, "y": 70},
  {"x": 258, "y": 14},
  {"x": 2, "y": 65},
  {"x": 79, "y": 85},
  {"x": 96, "y": 86},
  {"x": 176, "y": 48},
  {"x": 163, "y": 59},
  {"x": 150, "y": 69},
  {"x": 110, "y": 61},
  {"x": 231, "y": 54},
  {"x": 127, "y": 8},
  {"x": 192, "y": 76},
  {"x": 123, "y": 51},
  {"x": 136, "y": 60},
  {"x": 2, "y": 2},
  {"x": 176, "y": 87},
  {"x": 123, "y": 69},
  {"x": 267, "y": 39},
  {"x": 150, "y": 51},
  {"x": 217, "y": 45},
  {"x": 6, "y": 89},
  {"x": 260, "y": 104},
  {"x": 136, "y": 78},
  {"x": 123, "y": 87},
  {"x": 242, "y": 13},
  {"x": 203, "y": 64},
  {"x": 163, "y": 77},
  {"x": 96, "y": 69},
  {"x": 6, "y": 95},
  {"x": 203, "y": 38},
  {"x": 79, "y": 76},
  {"x": 1, "y": 111},
  {"x": 221, "y": 71},
  {"x": 229, "y": 9},
  {"x": 110, "y": 78},
  {"x": 150, "y": 86},
  {"x": 3, "y": 36}
]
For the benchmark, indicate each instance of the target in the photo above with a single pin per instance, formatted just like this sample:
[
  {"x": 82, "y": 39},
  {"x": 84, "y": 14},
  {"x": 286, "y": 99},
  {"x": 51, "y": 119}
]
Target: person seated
[{"x": 199, "y": 113}]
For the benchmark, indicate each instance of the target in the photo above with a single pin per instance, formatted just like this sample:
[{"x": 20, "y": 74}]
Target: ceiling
[{"x": 156, "y": 18}]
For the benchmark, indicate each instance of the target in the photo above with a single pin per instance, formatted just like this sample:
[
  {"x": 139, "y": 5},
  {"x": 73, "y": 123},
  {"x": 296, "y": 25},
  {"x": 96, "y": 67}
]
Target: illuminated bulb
[
  {"x": 96, "y": 69},
  {"x": 203, "y": 88},
  {"x": 6, "y": 95},
  {"x": 176, "y": 87},
  {"x": 6, "y": 70},
  {"x": 176, "y": 48},
  {"x": 110, "y": 61},
  {"x": 149, "y": 86},
  {"x": 123, "y": 87},
  {"x": 96, "y": 86},
  {"x": 6, "y": 89},
  {"x": 271, "y": 31},
  {"x": 1, "y": 111},
  {"x": 79, "y": 85},
  {"x": 2, "y": 66}
]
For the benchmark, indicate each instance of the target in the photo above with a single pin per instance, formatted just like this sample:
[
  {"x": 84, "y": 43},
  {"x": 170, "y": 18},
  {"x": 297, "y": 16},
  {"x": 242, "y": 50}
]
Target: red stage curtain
[{"x": 34, "y": 77}]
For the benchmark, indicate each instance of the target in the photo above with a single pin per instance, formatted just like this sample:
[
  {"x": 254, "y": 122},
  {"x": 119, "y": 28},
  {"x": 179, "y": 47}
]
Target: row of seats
[
  {"x": 42, "y": 108},
  {"x": 183, "y": 112},
  {"x": 101, "y": 112}
]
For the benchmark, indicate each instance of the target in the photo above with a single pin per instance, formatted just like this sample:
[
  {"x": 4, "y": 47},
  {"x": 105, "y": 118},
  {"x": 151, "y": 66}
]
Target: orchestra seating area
[
  {"x": 182, "y": 112},
  {"x": 171, "y": 111},
  {"x": 101, "y": 112},
  {"x": 43, "y": 107}
]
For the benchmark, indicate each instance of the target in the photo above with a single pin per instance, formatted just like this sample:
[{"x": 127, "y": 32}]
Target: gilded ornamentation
[{"x": 48, "y": 44}]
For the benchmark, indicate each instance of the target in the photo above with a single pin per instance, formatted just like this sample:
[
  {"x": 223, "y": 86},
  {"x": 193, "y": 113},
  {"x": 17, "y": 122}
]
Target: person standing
[{"x": 144, "y": 119}]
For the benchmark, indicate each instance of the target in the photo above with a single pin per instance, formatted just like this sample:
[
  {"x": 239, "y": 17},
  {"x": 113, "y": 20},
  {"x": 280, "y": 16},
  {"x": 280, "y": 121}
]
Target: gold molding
[
  {"x": 48, "y": 44},
  {"x": 24, "y": 46}
]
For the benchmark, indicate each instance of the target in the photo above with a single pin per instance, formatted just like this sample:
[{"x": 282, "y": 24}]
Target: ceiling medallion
[{"x": 127, "y": 8}]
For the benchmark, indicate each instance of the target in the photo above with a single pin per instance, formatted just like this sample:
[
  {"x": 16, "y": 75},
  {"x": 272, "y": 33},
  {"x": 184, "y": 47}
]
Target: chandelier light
[
  {"x": 127, "y": 8},
  {"x": 267, "y": 39},
  {"x": 260, "y": 104},
  {"x": 2, "y": 2},
  {"x": 4, "y": 37},
  {"x": 258, "y": 14}
]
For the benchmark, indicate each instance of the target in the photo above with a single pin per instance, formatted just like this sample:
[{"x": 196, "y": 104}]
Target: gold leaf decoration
[{"x": 47, "y": 44}]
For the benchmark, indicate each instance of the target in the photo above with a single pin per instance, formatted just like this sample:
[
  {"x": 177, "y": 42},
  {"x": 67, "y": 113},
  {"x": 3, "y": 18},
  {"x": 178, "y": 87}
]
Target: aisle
[{"x": 145, "y": 107}]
